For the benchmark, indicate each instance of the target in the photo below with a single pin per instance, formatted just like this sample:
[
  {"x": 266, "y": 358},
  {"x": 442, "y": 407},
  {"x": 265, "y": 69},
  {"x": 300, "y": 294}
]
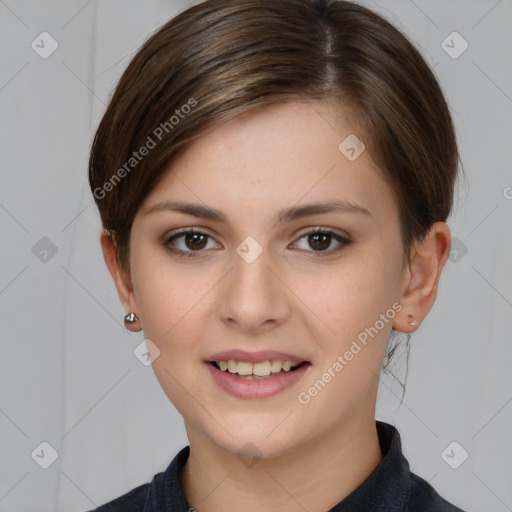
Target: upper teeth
[{"x": 260, "y": 369}]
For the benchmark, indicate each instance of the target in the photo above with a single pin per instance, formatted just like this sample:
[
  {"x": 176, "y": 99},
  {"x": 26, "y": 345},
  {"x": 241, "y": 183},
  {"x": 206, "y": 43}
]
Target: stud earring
[
  {"x": 130, "y": 319},
  {"x": 413, "y": 323}
]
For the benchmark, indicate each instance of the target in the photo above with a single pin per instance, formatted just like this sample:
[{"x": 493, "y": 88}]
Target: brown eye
[
  {"x": 188, "y": 243},
  {"x": 320, "y": 241},
  {"x": 195, "y": 241}
]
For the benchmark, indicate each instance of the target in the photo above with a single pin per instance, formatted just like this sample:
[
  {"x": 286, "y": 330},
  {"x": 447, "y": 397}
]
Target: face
[{"x": 269, "y": 278}]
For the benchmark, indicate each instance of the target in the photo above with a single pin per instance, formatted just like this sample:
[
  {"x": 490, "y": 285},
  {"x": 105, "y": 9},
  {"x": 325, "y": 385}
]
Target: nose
[{"x": 254, "y": 299}]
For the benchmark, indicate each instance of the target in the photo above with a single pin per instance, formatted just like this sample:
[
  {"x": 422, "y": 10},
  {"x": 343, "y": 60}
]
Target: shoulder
[
  {"x": 132, "y": 501},
  {"x": 424, "y": 498},
  {"x": 164, "y": 492}
]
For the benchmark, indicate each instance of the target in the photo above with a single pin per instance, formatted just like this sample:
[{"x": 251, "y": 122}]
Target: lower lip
[{"x": 256, "y": 388}]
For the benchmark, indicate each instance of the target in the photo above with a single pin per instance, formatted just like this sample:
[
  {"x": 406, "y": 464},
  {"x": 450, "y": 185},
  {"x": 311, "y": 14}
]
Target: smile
[
  {"x": 247, "y": 380},
  {"x": 263, "y": 369}
]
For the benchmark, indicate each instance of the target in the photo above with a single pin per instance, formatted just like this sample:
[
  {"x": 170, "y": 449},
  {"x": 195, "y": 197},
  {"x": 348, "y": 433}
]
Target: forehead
[{"x": 280, "y": 155}]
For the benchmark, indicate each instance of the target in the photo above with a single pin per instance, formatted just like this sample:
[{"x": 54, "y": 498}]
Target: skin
[{"x": 306, "y": 457}]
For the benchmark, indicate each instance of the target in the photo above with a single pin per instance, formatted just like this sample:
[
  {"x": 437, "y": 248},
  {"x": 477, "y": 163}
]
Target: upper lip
[{"x": 254, "y": 357}]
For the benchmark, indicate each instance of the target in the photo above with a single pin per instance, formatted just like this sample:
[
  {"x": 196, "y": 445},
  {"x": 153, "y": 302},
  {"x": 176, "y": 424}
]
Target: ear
[
  {"x": 421, "y": 277},
  {"x": 121, "y": 278}
]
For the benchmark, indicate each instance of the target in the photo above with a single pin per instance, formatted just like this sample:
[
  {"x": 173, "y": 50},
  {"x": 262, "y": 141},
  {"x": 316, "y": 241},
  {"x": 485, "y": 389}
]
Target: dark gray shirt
[{"x": 390, "y": 488}]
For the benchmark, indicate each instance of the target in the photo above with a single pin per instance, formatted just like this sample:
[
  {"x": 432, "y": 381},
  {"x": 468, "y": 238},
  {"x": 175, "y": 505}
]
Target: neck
[{"x": 314, "y": 477}]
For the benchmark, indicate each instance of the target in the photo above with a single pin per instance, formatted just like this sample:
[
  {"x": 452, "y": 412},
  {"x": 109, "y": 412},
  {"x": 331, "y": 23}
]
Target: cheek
[
  {"x": 355, "y": 308},
  {"x": 171, "y": 309},
  {"x": 172, "y": 305},
  {"x": 346, "y": 300},
  {"x": 167, "y": 297},
  {"x": 352, "y": 339}
]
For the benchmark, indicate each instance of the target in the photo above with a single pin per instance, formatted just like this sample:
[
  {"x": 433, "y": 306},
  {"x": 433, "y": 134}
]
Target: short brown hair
[{"x": 220, "y": 58}]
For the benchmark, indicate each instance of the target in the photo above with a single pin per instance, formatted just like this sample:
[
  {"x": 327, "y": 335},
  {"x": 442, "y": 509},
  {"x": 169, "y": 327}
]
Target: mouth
[
  {"x": 256, "y": 380},
  {"x": 256, "y": 371}
]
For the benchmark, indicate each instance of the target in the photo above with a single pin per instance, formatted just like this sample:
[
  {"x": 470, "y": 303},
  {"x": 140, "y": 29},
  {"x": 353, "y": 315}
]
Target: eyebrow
[{"x": 285, "y": 215}]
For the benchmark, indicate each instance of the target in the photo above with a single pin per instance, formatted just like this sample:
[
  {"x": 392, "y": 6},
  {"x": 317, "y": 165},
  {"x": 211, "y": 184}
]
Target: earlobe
[
  {"x": 122, "y": 280},
  {"x": 422, "y": 278}
]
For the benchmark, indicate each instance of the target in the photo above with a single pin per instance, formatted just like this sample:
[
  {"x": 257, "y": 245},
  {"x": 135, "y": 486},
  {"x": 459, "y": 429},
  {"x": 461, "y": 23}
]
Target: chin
[{"x": 262, "y": 442}]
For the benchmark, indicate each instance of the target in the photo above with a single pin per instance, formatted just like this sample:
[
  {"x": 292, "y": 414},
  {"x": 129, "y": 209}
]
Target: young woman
[{"x": 273, "y": 179}]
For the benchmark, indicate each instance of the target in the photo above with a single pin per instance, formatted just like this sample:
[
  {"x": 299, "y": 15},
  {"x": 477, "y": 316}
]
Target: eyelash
[{"x": 317, "y": 231}]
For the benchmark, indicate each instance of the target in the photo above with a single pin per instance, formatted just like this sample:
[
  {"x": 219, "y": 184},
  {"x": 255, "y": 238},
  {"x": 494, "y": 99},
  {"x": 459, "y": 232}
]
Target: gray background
[{"x": 68, "y": 375}]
